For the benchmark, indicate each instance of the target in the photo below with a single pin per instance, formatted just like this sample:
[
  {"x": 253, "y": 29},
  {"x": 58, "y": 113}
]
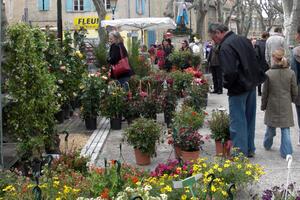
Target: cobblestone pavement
[{"x": 275, "y": 166}]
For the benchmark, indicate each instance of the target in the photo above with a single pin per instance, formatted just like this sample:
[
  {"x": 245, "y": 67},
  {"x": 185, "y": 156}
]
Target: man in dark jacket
[
  {"x": 260, "y": 48},
  {"x": 241, "y": 75}
]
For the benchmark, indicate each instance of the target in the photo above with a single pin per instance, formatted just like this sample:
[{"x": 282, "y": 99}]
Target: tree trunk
[
  {"x": 291, "y": 20},
  {"x": 100, "y": 8}
]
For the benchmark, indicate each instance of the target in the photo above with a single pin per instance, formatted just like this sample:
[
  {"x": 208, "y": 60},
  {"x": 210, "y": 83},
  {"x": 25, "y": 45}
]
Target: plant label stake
[
  {"x": 229, "y": 191},
  {"x": 209, "y": 185},
  {"x": 289, "y": 159},
  {"x": 188, "y": 182},
  {"x": 37, "y": 192}
]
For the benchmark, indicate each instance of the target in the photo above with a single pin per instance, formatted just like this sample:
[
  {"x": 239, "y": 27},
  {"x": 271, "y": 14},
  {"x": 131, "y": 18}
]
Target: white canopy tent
[{"x": 134, "y": 24}]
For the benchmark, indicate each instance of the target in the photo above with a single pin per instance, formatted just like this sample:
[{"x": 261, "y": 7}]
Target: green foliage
[
  {"x": 188, "y": 118},
  {"x": 139, "y": 64},
  {"x": 73, "y": 68},
  {"x": 143, "y": 134},
  {"x": 101, "y": 55},
  {"x": 30, "y": 85},
  {"x": 180, "y": 58},
  {"x": 197, "y": 96},
  {"x": 181, "y": 80},
  {"x": 91, "y": 93},
  {"x": 114, "y": 102},
  {"x": 219, "y": 126}
]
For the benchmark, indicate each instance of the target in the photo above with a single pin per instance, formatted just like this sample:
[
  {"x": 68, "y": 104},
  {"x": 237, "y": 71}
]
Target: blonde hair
[
  {"x": 278, "y": 57},
  {"x": 116, "y": 35}
]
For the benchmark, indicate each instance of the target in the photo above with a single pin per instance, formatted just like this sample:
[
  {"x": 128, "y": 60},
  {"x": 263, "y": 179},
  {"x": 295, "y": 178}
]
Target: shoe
[
  {"x": 251, "y": 154},
  {"x": 214, "y": 92},
  {"x": 220, "y": 92}
]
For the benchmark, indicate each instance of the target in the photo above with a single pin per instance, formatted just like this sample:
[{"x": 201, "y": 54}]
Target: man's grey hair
[{"x": 214, "y": 27}]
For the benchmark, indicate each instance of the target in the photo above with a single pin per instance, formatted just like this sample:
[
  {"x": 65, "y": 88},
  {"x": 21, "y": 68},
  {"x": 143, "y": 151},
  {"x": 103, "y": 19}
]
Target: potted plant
[
  {"x": 181, "y": 81},
  {"x": 169, "y": 105},
  {"x": 189, "y": 142},
  {"x": 91, "y": 89},
  {"x": 143, "y": 134},
  {"x": 132, "y": 108},
  {"x": 219, "y": 126},
  {"x": 113, "y": 105}
]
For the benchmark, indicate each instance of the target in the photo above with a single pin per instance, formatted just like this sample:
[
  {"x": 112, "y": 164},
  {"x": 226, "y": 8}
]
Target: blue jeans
[
  {"x": 285, "y": 146},
  {"x": 242, "y": 112},
  {"x": 124, "y": 82}
]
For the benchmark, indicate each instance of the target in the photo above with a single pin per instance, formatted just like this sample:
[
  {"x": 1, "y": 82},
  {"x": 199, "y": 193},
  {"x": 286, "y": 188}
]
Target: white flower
[
  {"x": 147, "y": 188},
  {"x": 60, "y": 81},
  {"x": 164, "y": 196},
  {"x": 58, "y": 94}
]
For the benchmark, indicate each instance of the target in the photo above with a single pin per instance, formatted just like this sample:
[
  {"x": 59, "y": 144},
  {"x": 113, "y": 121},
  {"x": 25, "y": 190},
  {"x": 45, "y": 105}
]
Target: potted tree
[
  {"x": 169, "y": 105},
  {"x": 219, "y": 126},
  {"x": 143, "y": 134},
  {"x": 189, "y": 142},
  {"x": 113, "y": 105},
  {"x": 91, "y": 89}
]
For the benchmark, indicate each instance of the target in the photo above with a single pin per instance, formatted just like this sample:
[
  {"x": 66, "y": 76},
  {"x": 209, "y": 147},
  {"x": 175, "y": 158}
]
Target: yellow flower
[
  {"x": 44, "y": 185},
  {"x": 239, "y": 166},
  {"x": 220, "y": 169},
  {"x": 67, "y": 189},
  {"x": 204, "y": 165},
  {"x": 224, "y": 193},
  {"x": 55, "y": 183},
  {"x": 57, "y": 198},
  {"x": 183, "y": 197},
  {"x": 76, "y": 190},
  {"x": 216, "y": 166},
  {"x": 213, "y": 188},
  {"x": 168, "y": 188},
  {"x": 248, "y": 173},
  {"x": 226, "y": 165},
  {"x": 9, "y": 188},
  {"x": 30, "y": 186},
  {"x": 249, "y": 166}
]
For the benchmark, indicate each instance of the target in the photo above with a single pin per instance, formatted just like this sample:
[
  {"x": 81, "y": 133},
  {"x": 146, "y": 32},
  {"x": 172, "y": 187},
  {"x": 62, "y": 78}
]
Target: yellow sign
[{"x": 86, "y": 22}]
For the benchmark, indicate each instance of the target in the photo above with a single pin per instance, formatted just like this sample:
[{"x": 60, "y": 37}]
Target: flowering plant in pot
[
  {"x": 219, "y": 126},
  {"x": 132, "y": 109},
  {"x": 91, "y": 92},
  {"x": 181, "y": 81},
  {"x": 143, "y": 134},
  {"x": 169, "y": 105},
  {"x": 113, "y": 105},
  {"x": 189, "y": 142},
  {"x": 189, "y": 118}
]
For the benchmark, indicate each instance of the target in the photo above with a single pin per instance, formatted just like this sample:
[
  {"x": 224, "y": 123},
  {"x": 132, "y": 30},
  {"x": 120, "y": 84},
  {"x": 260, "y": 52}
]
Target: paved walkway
[{"x": 274, "y": 165}]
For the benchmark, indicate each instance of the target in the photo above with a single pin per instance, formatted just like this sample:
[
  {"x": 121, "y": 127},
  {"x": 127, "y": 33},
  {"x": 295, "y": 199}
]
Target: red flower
[
  {"x": 105, "y": 193},
  {"x": 143, "y": 94}
]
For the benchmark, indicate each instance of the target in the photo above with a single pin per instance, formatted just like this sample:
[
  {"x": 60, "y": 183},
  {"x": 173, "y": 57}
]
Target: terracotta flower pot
[
  {"x": 177, "y": 151},
  {"x": 190, "y": 155},
  {"x": 222, "y": 149},
  {"x": 141, "y": 158}
]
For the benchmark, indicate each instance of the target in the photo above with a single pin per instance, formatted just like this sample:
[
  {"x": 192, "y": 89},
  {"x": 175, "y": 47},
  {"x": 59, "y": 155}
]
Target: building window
[
  {"x": 43, "y": 5},
  {"x": 78, "y": 5},
  {"x": 107, "y": 4}
]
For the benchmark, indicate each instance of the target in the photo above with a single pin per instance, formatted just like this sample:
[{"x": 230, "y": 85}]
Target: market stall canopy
[{"x": 133, "y": 24}]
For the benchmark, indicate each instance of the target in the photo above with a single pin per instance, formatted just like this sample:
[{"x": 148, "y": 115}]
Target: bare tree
[
  {"x": 100, "y": 8},
  {"x": 201, "y": 8},
  {"x": 267, "y": 8},
  {"x": 291, "y": 11}
]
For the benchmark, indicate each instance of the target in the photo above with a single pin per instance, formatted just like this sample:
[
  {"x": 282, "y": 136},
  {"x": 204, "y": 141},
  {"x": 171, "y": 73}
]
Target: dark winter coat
[
  {"x": 279, "y": 91},
  {"x": 213, "y": 58},
  {"x": 115, "y": 57},
  {"x": 295, "y": 65},
  {"x": 260, "y": 48},
  {"x": 239, "y": 64}
]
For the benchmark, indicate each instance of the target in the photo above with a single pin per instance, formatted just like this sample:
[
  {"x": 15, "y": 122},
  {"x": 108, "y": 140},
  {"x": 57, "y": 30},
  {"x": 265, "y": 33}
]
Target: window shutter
[
  {"x": 93, "y": 8},
  {"x": 151, "y": 37},
  {"x": 87, "y": 5},
  {"x": 46, "y": 4},
  {"x": 40, "y": 4},
  {"x": 69, "y": 5},
  {"x": 140, "y": 7},
  {"x": 143, "y": 6}
]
